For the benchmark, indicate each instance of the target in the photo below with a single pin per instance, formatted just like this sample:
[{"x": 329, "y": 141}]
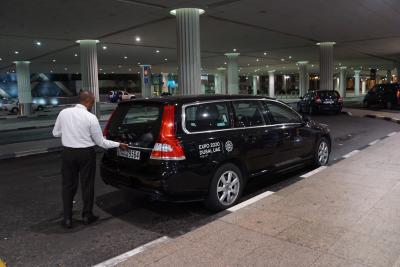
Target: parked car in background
[
  {"x": 12, "y": 106},
  {"x": 320, "y": 101},
  {"x": 124, "y": 96},
  {"x": 383, "y": 95},
  {"x": 206, "y": 148}
]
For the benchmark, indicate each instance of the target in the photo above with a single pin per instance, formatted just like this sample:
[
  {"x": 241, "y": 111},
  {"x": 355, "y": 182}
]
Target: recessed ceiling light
[
  {"x": 65, "y": 68},
  {"x": 165, "y": 59},
  {"x": 157, "y": 51},
  {"x": 282, "y": 59},
  {"x": 265, "y": 53},
  {"x": 225, "y": 63},
  {"x": 137, "y": 39},
  {"x": 234, "y": 49},
  {"x": 130, "y": 69},
  {"x": 119, "y": 66},
  {"x": 248, "y": 64},
  {"x": 104, "y": 47},
  {"x": 112, "y": 72},
  {"x": 312, "y": 66},
  {"x": 51, "y": 71},
  {"x": 100, "y": 69},
  {"x": 16, "y": 52},
  {"x": 75, "y": 55},
  {"x": 290, "y": 57},
  {"x": 54, "y": 60},
  {"x": 1, "y": 59},
  {"x": 38, "y": 43},
  {"x": 125, "y": 57},
  {"x": 257, "y": 60}
]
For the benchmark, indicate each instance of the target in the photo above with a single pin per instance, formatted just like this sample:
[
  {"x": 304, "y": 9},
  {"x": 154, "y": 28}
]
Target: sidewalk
[
  {"x": 346, "y": 215},
  {"x": 393, "y": 115}
]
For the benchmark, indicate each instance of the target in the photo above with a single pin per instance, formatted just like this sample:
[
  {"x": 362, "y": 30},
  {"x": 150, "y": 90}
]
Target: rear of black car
[
  {"x": 154, "y": 151},
  {"x": 327, "y": 100}
]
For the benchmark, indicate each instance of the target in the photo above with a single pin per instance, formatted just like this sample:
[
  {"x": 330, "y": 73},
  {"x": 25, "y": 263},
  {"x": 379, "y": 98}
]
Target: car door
[
  {"x": 296, "y": 140},
  {"x": 252, "y": 131}
]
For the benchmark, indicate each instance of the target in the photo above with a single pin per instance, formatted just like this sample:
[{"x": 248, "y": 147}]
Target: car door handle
[{"x": 286, "y": 134}]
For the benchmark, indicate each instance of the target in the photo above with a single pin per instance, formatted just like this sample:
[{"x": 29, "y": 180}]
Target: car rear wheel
[
  {"x": 14, "y": 110},
  {"x": 39, "y": 108},
  {"x": 322, "y": 151},
  {"x": 389, "y": 105},
  {"x": 226, "y": 188}
]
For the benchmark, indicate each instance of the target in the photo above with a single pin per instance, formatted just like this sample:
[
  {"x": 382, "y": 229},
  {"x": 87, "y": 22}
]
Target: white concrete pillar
[
  {"x": 343, "y": 81},
  {"x": 233, "y": 73},
  {"x": 357, "y": 82},
  {"x": 336, "y": 83},
  {"x": 24, "y": 87},
  {"x": 398, "y": 72},
  {"x": 145, "y": 78},
  {"x": 326, "y": 65},
  {"x": 188, "y": 48},
  {"x": 89, "y": 70},
  {"x": 303, "y": 77},
  {"x": 164, "y": 77},
  {"x": 364, "y": 86},
  {"x": 271, "y": 88},
  {"x": 220, "y": 81},
  {"x": 256, "y": 85}
]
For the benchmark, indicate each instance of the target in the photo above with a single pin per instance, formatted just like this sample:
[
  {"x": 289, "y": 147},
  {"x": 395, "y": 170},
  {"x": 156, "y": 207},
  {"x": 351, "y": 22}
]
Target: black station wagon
[{"x": 207, "y": 147}]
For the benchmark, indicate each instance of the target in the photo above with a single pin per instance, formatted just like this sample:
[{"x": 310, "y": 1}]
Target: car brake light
[
  {"x": 317, "y": 99},
  {"x": 398, "y": 96},
  {"x": 340, "y": 99},
  {"x": 167, "y": 146},
  {"x": 106, "y": 130}
]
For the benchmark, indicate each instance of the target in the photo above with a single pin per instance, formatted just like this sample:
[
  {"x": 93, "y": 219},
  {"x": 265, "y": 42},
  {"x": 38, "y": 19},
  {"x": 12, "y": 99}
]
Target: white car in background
[
  {"x": 12, "y": 105},
  {"x": 124, "y": 96}
]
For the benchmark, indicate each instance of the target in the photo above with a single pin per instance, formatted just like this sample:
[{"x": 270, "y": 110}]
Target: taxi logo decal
[{"x": 229, "y": 146}]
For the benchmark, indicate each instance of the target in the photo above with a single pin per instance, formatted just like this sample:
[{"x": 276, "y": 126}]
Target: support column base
[{"x": 25, "y": 109}]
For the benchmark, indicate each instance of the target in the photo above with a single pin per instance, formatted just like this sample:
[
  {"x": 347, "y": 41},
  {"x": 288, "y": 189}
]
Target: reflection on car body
[{"x": 208, "y": 147}]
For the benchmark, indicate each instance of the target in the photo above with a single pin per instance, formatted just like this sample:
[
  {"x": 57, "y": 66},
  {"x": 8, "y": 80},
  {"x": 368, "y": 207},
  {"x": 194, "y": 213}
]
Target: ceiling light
[
  {"x": 125, "y": 57},
  {"x": 75, "y": 55},
  {"x": 157, "y": 51},
  {"x": 137, "y": 39},
  {"x": 119, "y": 66},
  {"x": 165, "y": 59},
  {"x": 138, "y": 63},
  {"x": 16, "y": 52},
  {"x": 38, "y": 43},
  {"x": 265, "y": 53},
  {"x": 112, "y": 72},
  {"x": 225, "y": 63},
  {"x": 100, "y": 69},
  {"x": 104, "y": 47},
  {"x": 51, "y": 71},
  {"x": 312, "y": 66},
  {"x": 54, "y": 60},
  {"x": 1, "y": 59},
  {"x": 173, "y": 12},
  {"x": 234, "y": 49},
  {"x": 257, "y": 60},
  {"x": 65, "y": 68},
  {"x": 130, "y": 69},
  {"x": 282, "y": 59},
  {"x": 248, "y": 64},
  {"x": 290, "y": 57}
]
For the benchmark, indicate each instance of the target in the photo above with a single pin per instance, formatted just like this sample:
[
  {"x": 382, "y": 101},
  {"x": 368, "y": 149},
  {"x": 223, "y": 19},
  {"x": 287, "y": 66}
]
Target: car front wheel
[
  {"x": 226, "y": 188},
  {"x": 321, "y": 153}
]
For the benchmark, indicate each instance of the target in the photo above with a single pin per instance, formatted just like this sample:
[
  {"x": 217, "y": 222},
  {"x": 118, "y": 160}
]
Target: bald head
[{"x": 87, "y": 99}]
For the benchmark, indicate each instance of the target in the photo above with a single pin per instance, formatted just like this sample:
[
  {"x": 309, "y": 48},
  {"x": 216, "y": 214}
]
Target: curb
[
  {"x": 22, "y": 154},
  {"x": 386, "y": 118},
  {"x": 27, "y": 128}
]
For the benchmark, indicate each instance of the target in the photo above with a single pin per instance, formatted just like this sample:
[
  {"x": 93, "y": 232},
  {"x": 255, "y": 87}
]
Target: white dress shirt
[{"x": 78, "y": 128}]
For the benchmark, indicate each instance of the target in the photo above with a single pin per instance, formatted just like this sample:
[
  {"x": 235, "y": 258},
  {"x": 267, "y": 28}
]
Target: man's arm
[
  {"x": 57, "y": 127},
  {"x": 98, "y": 139}
]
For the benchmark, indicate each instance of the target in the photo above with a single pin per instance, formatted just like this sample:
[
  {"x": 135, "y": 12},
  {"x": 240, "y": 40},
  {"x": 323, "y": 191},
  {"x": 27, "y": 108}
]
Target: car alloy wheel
[
  {"x": 323, "y": 153},
  {"x": 228, "y": 187}
]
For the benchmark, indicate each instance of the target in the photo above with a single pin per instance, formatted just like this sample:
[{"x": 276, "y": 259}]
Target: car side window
[
  {"x": 207, "y": 116},
  {"x": 247, "y": 114},
  {"x": 282, "y": 114}
]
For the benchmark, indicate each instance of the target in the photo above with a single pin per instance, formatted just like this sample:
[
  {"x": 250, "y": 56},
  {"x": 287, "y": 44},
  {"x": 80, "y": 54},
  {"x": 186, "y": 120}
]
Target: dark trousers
[{"x": 78, "y": 164}]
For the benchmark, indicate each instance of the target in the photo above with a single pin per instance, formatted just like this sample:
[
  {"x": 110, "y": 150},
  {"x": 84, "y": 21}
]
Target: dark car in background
[
  {"x": 320, "y": 101},
  {"x": 383, "y": 95},
  {"x": 207, "y": 147}
]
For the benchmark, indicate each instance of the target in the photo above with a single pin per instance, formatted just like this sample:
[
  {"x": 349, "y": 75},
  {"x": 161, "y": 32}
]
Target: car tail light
[
  {"x": 106, "y": 130},
  {"x": 168, "y": 146},
  {"x": 318, "y": 100},
  {"x": 398, "y": 96},
  {"x": 340, "y": 99}
]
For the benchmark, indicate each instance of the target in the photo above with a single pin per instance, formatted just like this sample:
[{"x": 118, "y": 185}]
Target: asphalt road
[{"x": 30, "y": 204}]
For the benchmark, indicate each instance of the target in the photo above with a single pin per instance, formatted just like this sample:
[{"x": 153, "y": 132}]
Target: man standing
[{"x": 80, "y": 131}]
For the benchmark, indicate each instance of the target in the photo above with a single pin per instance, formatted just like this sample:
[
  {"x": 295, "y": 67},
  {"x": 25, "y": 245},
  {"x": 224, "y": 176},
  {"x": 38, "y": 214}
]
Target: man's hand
[{"x": 123, "y": 146}]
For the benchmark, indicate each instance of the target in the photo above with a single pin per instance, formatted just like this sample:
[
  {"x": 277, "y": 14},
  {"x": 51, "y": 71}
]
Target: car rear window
[
  {"x": 206, "y": 117},
  {"x": 325, "y": 94},
  {"x": 139, "y": 122},
  {"x": 247, "y": 114}
]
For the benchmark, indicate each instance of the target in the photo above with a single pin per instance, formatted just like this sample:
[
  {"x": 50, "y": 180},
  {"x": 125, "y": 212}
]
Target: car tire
[
  {"x": 366, "y": 104},
  {"x": 226, "y": 188},
  {"x": 14, "y": 110},
  {"x": 321, "y": 152},
  {"x": 132, "y": 97},
  {"x": 39, "y": 108},
  {"x": 389, "y": 105}
]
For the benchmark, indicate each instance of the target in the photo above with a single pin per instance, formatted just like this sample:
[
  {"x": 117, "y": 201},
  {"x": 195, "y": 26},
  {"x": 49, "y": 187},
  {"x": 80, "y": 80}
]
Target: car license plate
[
  {"x": 130, "y": 153},
  {"x": 328, "y": 102}
]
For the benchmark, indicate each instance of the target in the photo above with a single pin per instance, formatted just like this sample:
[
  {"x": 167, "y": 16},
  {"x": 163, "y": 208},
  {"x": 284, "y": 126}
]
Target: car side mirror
[{"x": 301, "y": 98}]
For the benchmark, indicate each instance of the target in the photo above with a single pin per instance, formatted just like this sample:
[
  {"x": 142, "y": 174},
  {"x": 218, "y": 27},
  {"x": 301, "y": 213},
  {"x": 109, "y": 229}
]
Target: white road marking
[
  {"x": 123, "y": 257},
  {"x": 30, "y": 152},
  {"x": 374, "y": 142},
  {"x": 311, "y": 173},
  {"x": 391, "y": 134},
  {"x": 352, "y": 153},
  {"x": 250, "y": 201}
]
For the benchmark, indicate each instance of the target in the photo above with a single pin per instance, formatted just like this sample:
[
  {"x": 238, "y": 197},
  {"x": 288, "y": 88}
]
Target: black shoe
[
  {"x": 89, "y": 219},
  {"x": 67, "y": 223}
]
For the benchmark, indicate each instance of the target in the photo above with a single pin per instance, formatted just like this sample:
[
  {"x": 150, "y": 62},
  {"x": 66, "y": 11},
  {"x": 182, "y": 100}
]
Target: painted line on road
[
  {"x": 391, "y": 134},
  {"x": 250, "y": 201},
  {"x": 351, "y": 154},
  {"x": 311, "y": 173},
  {"x": 374, "y": 142},
  {"x": 123, "y": 257}
]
